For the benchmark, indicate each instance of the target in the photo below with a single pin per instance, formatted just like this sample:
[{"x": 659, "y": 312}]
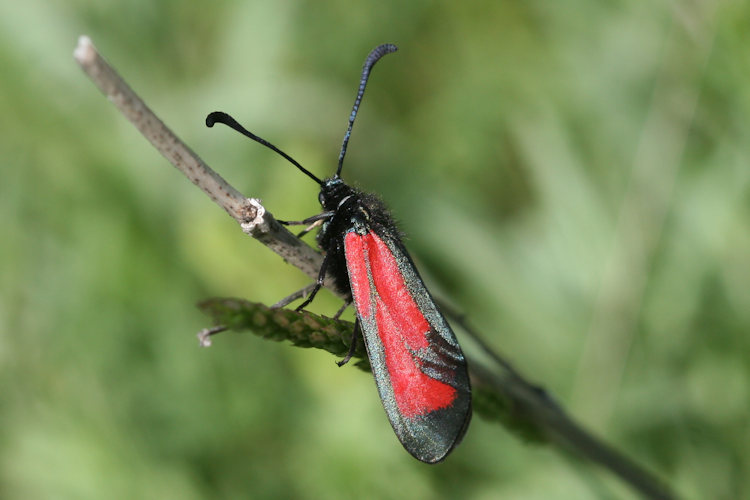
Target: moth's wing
[{"x": 418, "y": 365}]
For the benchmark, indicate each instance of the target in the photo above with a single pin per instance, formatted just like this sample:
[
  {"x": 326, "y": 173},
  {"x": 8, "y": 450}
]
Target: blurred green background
[{"x": 574, "y": 175}]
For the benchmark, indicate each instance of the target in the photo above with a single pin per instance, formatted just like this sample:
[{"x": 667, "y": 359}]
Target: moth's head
[{"x": 332, "y": 192}]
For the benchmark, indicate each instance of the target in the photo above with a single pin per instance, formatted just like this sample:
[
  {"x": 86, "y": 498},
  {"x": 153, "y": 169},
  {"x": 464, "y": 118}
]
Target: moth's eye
[{"x": 321, "y": 198}]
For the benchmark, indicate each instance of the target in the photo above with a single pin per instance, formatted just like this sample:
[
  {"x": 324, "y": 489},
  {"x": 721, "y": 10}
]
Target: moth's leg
[
  {"x": 291, "y": 298},
  {"x": 310, "y": 228},
  {"x": 318, "y": 284},
  {"x": 310, "y": 222},
  {"x": 352, "y": 345},
  {"x": 342, "y": 309},
  {"x": 319, "y": 217}
]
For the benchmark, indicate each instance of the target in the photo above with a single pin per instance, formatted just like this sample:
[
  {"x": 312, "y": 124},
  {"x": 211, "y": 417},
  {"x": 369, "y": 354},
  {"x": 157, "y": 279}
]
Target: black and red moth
[{"x": 418, "y": 365}]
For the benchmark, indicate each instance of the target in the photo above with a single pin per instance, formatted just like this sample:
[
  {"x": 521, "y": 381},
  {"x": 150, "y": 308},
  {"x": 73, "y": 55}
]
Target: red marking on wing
[
  {"x": 401, "y": 326},
  {"x": 356, "y": 264}
]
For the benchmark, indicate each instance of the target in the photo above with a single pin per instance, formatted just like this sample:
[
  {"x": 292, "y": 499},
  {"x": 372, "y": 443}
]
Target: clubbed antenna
[
  {"x": 372, "y": 58},
  {"x": 221, "y": 117}
]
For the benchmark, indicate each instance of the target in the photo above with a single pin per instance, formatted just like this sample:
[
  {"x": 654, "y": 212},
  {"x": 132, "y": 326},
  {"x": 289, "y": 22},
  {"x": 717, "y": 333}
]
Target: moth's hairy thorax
[{"x": 353, "y": 210}]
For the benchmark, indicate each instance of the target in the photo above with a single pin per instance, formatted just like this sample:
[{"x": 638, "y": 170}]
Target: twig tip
[
  {"x": 84, "y": 52},
  {"x": 204, "y": 337}
]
